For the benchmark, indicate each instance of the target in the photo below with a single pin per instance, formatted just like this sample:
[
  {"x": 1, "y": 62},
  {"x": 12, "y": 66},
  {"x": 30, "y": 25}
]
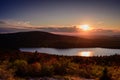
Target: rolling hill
[{"x": 45, "y": 39}]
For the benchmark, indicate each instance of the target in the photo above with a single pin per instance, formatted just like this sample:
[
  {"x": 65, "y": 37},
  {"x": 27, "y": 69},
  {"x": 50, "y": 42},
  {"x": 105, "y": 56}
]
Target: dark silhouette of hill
[{"x": 45, "y": 39}]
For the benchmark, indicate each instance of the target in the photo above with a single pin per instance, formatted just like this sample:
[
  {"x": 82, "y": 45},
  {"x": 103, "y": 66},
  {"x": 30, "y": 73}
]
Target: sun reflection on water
[{"x": 85, "y": 53}]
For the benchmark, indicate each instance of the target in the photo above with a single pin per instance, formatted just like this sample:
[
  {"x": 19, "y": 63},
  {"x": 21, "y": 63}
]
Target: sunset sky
[{"x": 47, "y": 15}]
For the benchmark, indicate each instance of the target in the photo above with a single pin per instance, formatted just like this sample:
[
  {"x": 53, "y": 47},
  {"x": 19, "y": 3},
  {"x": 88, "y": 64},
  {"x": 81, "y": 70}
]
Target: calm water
[{"x": 75, "y": 51}]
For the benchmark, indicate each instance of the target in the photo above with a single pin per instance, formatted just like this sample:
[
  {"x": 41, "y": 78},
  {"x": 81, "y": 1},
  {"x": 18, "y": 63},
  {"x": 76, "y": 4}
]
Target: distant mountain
[{"x": 45, "y": 39}]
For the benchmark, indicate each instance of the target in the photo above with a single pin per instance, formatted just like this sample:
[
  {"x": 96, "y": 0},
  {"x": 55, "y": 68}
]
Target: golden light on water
[{"x": 85, "y": 53}]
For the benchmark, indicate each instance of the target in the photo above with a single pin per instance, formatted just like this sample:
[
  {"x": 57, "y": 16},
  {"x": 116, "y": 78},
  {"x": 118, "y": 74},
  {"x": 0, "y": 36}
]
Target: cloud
[
  {"x": 18, "y": 26},
  {"x": 105, "y": 32},
  {"x": 15, "y": 24},
  {"x": 96, "y": 32},
  {"x": 12, "y": 26},
  {"x": 58, "y": 29},
  {"x": 3, "y": 22}
]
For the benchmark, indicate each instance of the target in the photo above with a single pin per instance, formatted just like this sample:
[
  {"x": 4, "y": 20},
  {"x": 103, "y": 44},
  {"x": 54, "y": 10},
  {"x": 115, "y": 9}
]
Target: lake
[{"x": 75, "y": 51}]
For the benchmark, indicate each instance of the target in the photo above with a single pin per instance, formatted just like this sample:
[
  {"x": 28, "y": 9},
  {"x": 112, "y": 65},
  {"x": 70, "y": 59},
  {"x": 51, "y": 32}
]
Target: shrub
[
  {"x": 34, "y": 69},
  {"x": 47, "y": 70},
  {"x": 5, "y": 72},
  {"x": 21, "y": 67}
]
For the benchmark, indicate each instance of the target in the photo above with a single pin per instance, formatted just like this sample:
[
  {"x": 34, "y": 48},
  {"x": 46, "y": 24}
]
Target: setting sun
[{"x": 84, "y": 27}]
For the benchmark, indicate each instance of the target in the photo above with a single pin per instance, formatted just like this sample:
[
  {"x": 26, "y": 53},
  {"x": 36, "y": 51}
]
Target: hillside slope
[{"x": 45, "y": 39}]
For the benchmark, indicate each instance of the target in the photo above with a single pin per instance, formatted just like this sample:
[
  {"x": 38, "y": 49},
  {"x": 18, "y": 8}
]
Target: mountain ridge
[{"x": 46, "y": 39}]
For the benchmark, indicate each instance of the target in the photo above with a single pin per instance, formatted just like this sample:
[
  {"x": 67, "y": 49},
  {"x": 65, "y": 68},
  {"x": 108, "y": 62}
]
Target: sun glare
[
  {"x": 85, "y": 53},
  {"x": 84, "y": 27}
]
